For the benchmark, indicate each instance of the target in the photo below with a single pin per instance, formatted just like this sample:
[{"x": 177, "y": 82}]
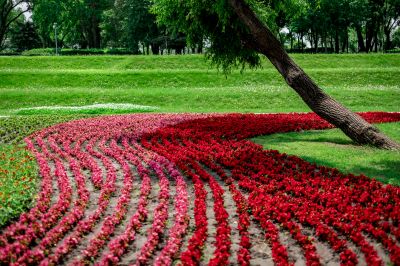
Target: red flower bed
[{"x": 107, "y": 179}]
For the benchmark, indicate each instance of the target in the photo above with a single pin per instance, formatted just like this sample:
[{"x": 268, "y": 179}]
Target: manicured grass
[
  {"x": 189, "y": 62},
  {"x": 332, "y": 148},
  {"x": 189, "y": 84},
  {"x": 93, "y": 109},
  {"x": 18, "y": 182}
]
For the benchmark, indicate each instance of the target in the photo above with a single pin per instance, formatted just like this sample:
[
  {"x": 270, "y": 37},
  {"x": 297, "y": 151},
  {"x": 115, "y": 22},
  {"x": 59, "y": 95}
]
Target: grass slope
[{"x": 188, "y": 84}]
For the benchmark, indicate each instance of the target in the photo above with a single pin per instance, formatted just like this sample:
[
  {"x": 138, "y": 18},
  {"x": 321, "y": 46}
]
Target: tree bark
[
  {"x": 316, "y": 41},
  {"x": 388, "y": 41},
  {"x": 360, "y": 38},
  {"x": 264, "y": 41},
  {"x": 155, "y": 49},
  {"x": 2, "y": 37},
  {"x": 94, "y": 33},
  {"x": 370, "y": 33},
  {"x": 345, "y": 46},
  {"x": 337, "y": 44},
  {"x": 291, "y": 40}
]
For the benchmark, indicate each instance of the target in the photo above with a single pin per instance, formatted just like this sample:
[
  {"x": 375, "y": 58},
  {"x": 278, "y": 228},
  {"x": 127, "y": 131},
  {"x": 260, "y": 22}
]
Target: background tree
[
  {"x": 90, "y": 13},
  {"x": 114, "y": 25},
  {"x": 10, "y": 11},
  {"x": 45, "y": 14},
  {"x": 78, "y": 21},
  {"x": 129, "y": 23},
  {"x": 376, "y": 20},
  {"x": 302, "y": 25},
  {"x": 23, "y": 36},
  {"x": 357, "y": 13},
  {"x": 336, "y": 22},
  {"x": 391, "y": 20},
  {"x": 396, "y": 38},
  {"x": 237, "y": 35}
]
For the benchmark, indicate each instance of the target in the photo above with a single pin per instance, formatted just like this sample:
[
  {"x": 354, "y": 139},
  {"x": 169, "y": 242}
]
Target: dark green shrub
[
  {"x": 68, "y": 51},
  {"x": 9, "y": 52},
  {"x": 39, "y": 52},
  {"x": 82, "y": 52},
  {"x": 394, "y": 51},
  {"x": 118, "y": 51}
]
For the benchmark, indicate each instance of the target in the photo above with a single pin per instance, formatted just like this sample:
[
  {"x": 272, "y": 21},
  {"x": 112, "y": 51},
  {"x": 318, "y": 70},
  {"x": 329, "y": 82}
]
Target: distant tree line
[
  {"x": 338, "y": 25},
  {"x": 302, "y": 25}
]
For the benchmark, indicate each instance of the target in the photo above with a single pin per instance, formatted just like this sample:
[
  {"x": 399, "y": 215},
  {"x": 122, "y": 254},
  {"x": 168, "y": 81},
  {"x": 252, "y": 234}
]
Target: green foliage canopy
[
  {"x": 214, "y": 22},
  {"x": 129, "y": 22},
  {"x": 77, "y": 20},
  {"x": 228, "y": 40}
]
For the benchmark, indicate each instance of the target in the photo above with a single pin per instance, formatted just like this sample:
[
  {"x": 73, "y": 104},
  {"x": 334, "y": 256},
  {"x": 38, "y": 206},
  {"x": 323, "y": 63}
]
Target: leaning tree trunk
[{"x": 265, "y": 42}]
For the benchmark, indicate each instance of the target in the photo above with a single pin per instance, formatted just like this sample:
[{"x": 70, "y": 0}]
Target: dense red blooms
[{"x": 89, "y": 167}]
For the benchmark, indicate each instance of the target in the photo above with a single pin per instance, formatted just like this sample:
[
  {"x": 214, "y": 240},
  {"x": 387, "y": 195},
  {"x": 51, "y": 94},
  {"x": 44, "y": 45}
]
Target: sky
[{"x": 27, "y": 15}]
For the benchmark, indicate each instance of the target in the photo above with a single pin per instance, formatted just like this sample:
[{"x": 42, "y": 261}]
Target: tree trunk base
[
  {"x": 353, "y": 125},
  {"x": 380, "y": 140}
]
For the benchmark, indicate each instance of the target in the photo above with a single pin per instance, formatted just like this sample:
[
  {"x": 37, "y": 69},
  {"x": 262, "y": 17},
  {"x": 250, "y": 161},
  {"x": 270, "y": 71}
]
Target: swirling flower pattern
[{"x": 158, "y": 189}]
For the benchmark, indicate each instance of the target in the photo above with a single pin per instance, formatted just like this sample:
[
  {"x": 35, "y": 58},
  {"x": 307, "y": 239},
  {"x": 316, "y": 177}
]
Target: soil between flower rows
[{"x": 162, "y": 189}]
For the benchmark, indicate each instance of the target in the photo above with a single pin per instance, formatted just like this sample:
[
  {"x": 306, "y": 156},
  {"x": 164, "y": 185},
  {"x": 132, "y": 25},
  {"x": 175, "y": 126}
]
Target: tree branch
[
  {"x": 17, "y": 3},
  {"x": 15, "y": 18}
]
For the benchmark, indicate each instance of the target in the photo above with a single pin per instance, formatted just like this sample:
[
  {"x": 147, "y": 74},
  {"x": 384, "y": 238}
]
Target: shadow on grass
[
  {"x": 310, "y": 136},
  {"x": 386, "y": 171},
  {"x": 332, "y": 148}
]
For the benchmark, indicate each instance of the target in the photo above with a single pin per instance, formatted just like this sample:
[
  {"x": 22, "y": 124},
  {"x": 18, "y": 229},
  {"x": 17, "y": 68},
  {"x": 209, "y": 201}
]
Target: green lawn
[
  {"x": 189, "y": 84},
  {"x": 36, "y": 92},
  {"x": 332, "y": 148}
]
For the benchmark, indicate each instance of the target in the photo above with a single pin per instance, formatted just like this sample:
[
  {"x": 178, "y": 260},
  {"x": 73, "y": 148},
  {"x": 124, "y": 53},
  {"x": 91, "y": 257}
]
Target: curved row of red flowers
[
  {"x": 280, "y": 192},
  {"x": 53, "y": 229},
  {"x": 283, "y": 190}
]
